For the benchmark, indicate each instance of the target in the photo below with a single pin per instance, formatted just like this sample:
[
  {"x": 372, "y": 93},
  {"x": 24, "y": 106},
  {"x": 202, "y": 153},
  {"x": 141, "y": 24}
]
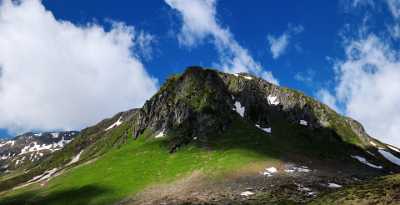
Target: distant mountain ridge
[{"x": 30, "y": 147}]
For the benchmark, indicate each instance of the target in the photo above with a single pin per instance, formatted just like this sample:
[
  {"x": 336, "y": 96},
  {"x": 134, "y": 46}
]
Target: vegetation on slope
[
  {"x": 139, "y": 163},
  {"x": 195, "y": 110},
  {"x": 131, "y": 167},
  {"x": 379, "y": 191}
]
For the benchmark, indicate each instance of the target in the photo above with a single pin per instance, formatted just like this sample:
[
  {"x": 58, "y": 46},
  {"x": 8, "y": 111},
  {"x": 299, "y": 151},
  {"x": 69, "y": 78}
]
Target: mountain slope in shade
[{"x": 209, "y": 137}]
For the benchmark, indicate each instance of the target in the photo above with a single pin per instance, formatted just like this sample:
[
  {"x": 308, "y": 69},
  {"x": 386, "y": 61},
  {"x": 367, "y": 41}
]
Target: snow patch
[
  {"x": 242, "y": 75},
  {"x": 389, "y": 156},
  {"x": 364, "y": 161},
  {"x": 393, "y": 148},
  {"x": 239, "y": 108},
  {"x": 44, "y": 176},
  {"x": 55, "y": 134},
  {"x": 269, "y": 172},
  {"x": 334, "y": 186},
  {"x": 160, "y": 134},
  {"x": 292, "y": 169},
  {"x": 302, "y": 188},
  {"x": 303, "y": 122},
  {"x": 246, "y": 193},
  {"x": 273, "y": 100},
  {"x": 75, "y": 159},
  {"x": 266, "y": 129},
  {"x": 115, "y": 124},
  {"x": 373, "y": 143}
]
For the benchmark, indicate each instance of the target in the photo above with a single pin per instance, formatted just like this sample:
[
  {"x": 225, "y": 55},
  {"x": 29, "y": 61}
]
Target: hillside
[{"x": 208, "y": 137}]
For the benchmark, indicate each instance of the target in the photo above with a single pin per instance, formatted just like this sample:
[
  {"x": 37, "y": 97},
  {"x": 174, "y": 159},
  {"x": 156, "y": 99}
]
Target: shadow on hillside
[
  {"x": 76, "y": 196},
  {"x": 294, "y": 142}
]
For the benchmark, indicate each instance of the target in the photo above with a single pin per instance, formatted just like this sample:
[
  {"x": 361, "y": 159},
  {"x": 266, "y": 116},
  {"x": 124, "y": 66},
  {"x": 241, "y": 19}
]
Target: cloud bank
[
  {"x": 369, "y": 84},
  {"x": 199, "y": 23},
  {"x": 368, "y": 79},
  {"x": 57, "y": 75}
]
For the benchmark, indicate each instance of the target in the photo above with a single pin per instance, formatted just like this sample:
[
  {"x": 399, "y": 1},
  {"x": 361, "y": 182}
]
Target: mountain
[
  {"x": 31, "y": 147},
  {"x": 208, "y": 137}
]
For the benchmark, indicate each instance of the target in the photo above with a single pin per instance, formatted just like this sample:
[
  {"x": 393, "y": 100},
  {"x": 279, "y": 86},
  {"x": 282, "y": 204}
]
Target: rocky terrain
[{"x": 208, "y": 137}]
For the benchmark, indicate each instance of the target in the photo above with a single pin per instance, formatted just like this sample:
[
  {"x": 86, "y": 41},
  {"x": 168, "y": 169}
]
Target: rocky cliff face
[{"x": 202, "y": 101}]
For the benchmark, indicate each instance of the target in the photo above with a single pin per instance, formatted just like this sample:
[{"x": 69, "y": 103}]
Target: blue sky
[
  {"x": 249, "y": 23},
  {"x": 319, "y": 47}
]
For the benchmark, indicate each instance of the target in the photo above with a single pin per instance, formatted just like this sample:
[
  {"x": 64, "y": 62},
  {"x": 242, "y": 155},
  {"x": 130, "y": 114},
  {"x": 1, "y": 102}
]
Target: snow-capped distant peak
[
  {"x": 38, "y": 134},
  {"x": 55, "y": 134},
  {"x": 8, "y": 142}
]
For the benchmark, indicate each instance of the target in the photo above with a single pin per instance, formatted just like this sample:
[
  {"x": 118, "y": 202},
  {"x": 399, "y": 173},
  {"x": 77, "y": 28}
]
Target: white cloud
[
  {"x": 57, "y": 75},
  {"x": 326, "y": 97},
  {"x": 369, "y": 84},
  {"x": 394, "y": 7},
  {"x": 279, "y": 44},
  {"x": 199, "y": 22}
]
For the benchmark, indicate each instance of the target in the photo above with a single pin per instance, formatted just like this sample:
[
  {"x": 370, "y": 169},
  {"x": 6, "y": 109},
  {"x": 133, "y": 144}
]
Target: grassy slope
[
  {"x": 129, "y": 168},
  {"x": 383, "y": 190},
  {"x": 124, "y": 171}
]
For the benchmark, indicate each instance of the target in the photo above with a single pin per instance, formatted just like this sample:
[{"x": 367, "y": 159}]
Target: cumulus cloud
[
  {"x": 368, "y": 76},
  {"x": 368, "y": 84},
  {"x": 327, "y": 98},
  {"x": 279, "y": 44},
  {"x": 199, "y": 23},
  {"x": 57, "y": 75}
]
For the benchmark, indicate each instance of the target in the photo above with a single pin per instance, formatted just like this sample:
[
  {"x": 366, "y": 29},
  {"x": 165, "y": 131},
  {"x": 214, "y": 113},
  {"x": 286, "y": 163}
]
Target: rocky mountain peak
[{"x": 202, "y": 101}]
